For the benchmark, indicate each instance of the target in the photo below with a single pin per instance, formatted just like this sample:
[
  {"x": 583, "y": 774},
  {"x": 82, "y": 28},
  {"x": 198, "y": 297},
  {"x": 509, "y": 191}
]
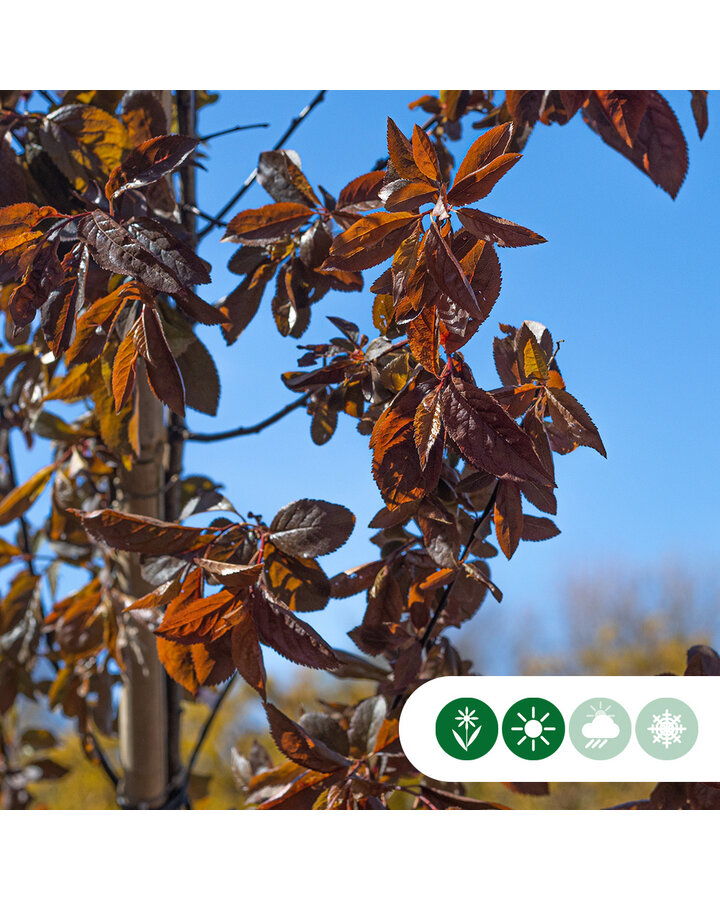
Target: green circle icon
[
  {"x": 533, "y": 728},
  {"x": 666, "y": 728},
  {"x": 600, "y": 728},
  {"x": 466, "y": 728}
]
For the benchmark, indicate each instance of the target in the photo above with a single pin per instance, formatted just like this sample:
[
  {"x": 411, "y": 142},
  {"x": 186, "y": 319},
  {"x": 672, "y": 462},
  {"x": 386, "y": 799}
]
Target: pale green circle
[
  {"x": 600, "y": 728},
  {"x": 666, "y": 728}
]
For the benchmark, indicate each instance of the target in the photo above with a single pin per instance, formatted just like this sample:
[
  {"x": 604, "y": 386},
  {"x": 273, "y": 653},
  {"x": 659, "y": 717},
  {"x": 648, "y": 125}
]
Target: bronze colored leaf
[
  {"x": 100, "y": 316},
  {"x": 280, "y": 174},
  {"x": 625, "y": 110},
  {"x": 268, "y": 222},
  {"x": 496, "y": 230},
  {"x": 243, "y": 302},
  {"x": 178, "y": 662},
  {"x": 538, "y": 528},
  {"x": 232, "y": 576},
  {"x": 427, "y": 425},
  {"x": 361, "y": 194},
  {"x": 409, "y": 196},
  {"x": 194, "y": 619},
  {"x": 658, "y": 149},
  {"x": 351, "y": 582},
  {"x": 213, "y": 661},
  {"x": 401, "y": 153},
  {"x": 292, "y": 638},
  {"x": 476, "y": 185},
  {"x": 199, "y": 377},
  {"x": 162, "y": 370},
  {"x": 43, "y": 275},
  {"x": 125, "y": 369},
  {"x": 448, "y": 274},
  {"x": 570, "y": 416},
  {"x": 700, "y": 111},
  {"x": 396, "y": 465},
  {"x": 486, "y": 435},
  {"x": 21, "y": 498},
  {"x": 298, "y": 583},
  {"x": 370, "y": 240},
  {"x": 309, "y": 528},
  {"x": 246, "y": 652},
  {"x": 142, "y": 534},
  {"x": 385, "y": 600},
  {"x": 424, "y": 339},
  {"x": 146, "y": 251},
  {"x": 149, "y": 162},
  {"x": 508, "y": 516},
  {"x": 84, "y": 142},
  {"x": 484, "y": 150},
  {"x": 424, "y": 155},
  {"x": 297, "y": 745}
]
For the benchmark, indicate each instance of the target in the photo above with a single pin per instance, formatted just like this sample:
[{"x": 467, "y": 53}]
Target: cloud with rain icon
[{"x": 600, "y": 730}]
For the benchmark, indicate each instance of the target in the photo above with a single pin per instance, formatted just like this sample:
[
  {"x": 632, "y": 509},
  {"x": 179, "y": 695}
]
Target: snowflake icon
[{"x": 667, "y": 729}]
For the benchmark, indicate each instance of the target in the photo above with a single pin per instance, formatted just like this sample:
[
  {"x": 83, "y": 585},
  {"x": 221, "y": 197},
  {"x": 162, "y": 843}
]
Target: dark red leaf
[
  {"x": 508, "y": 516},
  {"x": 484, "y": 150},
  {"x": 297, "y": 745},
  {"x": 272, "y": 221},
  {"x": 478, "y": 184},
  {"x": 496, "y": 230},
  {"x": 149, "y": 162},
  {"x": 486, "y": 435},
  {"x": 294, "y": 639},
  {"x": 309, "y": 528}
]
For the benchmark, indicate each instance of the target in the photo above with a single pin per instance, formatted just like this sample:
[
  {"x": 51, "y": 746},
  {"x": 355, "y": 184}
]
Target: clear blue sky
[{"x": 628, "y": 279}]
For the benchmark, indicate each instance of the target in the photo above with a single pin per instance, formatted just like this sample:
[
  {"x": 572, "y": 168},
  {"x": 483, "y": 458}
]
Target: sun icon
[{"x": 533, "y": 728}]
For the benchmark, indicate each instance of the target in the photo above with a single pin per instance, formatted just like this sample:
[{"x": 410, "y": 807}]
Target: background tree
[{"x": 97, "y": 234}]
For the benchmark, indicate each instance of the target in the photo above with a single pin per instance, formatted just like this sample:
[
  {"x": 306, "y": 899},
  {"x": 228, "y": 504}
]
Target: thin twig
[
  {"x": 188, "y": 207},
  {"x": 424, "y": 640},
  {"x": 216, "y": 134},
  {"x": 318, "y": 98},
  {"x": 12, "y": 483},
  {"x": 46, "y": 96},
  {"x": 206, "y": 728},
  {"x": 103, "y": 760},
  {"x": 443, "y": 600},
  {"x": 243, "y": 430}
]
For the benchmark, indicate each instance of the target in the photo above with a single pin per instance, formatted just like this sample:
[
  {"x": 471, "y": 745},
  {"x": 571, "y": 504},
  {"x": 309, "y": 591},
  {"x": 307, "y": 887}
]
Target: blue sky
[{"x": 628, "y": 280}]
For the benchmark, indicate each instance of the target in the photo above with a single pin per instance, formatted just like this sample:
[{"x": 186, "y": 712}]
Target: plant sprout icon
[
  {"x": 533, "y": 729},
  {"x": 601, "y": 729},
  {"x": 468, "y": 719}
]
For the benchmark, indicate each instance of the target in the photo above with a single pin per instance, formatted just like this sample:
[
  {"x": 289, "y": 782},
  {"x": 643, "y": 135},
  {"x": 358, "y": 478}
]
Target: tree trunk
[
  {"x": 143, "y": 706},
  {"x": 149, "y": 708}
]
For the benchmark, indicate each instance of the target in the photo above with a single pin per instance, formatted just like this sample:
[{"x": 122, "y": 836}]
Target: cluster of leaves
[
  {"x": 640, "y": 125},
  {"x": 90, "y": 239},
  {"x": 264, "y": 574},
  {"x": 290, "y": 240}
]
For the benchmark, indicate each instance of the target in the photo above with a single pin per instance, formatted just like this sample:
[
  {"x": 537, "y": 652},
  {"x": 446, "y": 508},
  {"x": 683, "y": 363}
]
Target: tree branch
[
  {"x": 243, "y": 430},
  {"x": 425, "y": 639},
  {"x": 6, "y": 453},
  {"x": 303, "y": 114},
  {"x": 446, "y": 593},
  {"x": 103, "y": 760},
  {"x": 206, "y": 728},
  {"x": 216, "y": 134}
]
